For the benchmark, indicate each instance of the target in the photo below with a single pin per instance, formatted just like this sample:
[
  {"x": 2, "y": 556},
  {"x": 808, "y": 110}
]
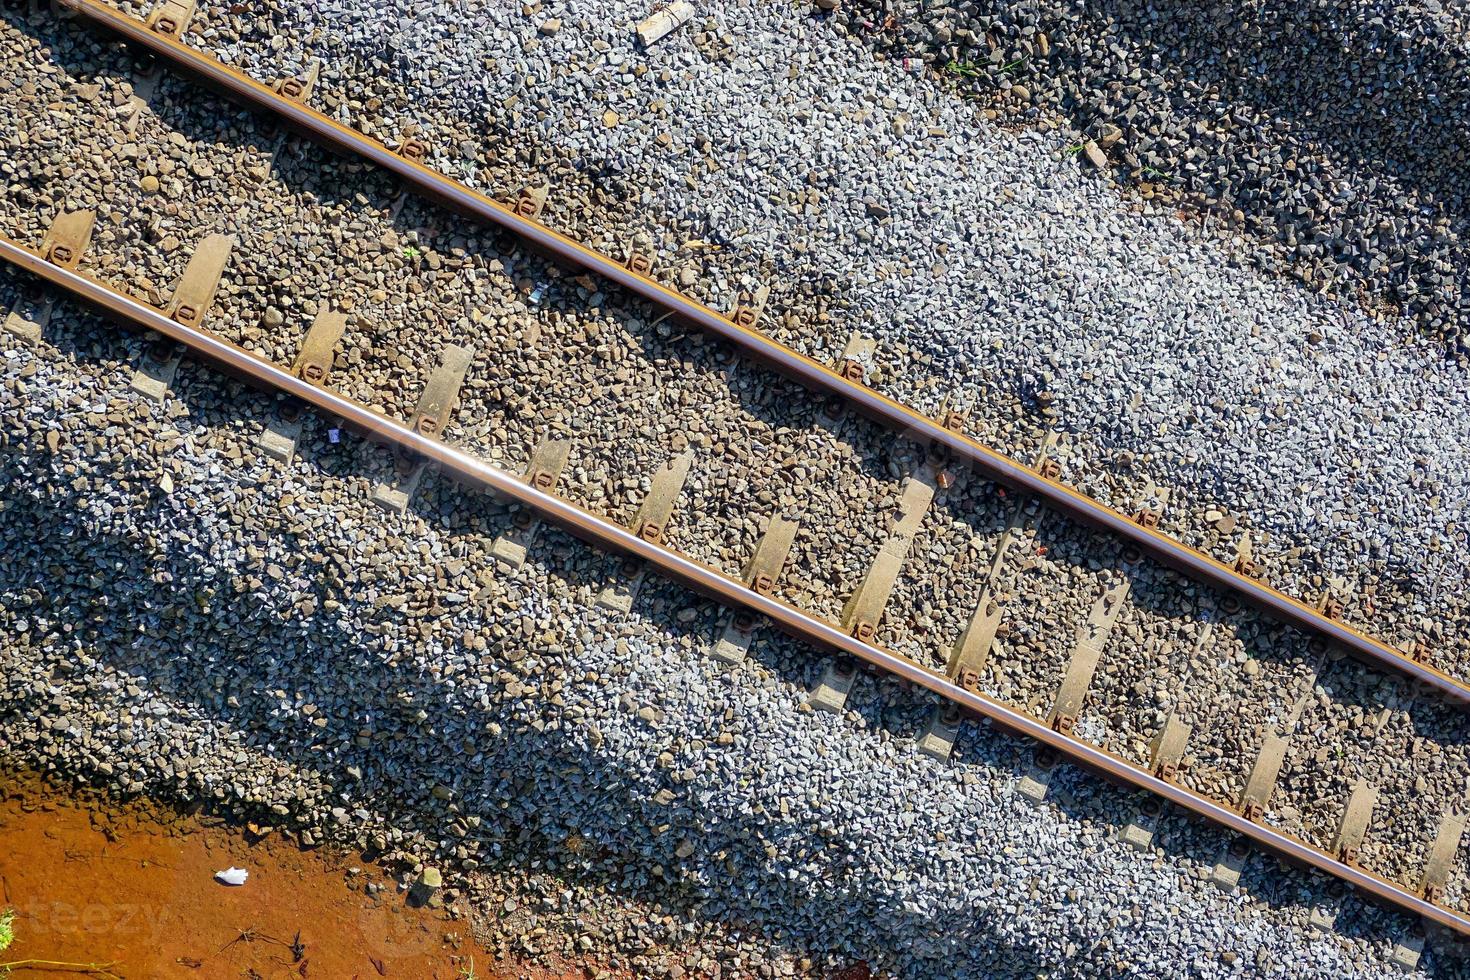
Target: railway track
[
  {"x": 631, "y": 273},
  {"x": 1071, "y": 674}
]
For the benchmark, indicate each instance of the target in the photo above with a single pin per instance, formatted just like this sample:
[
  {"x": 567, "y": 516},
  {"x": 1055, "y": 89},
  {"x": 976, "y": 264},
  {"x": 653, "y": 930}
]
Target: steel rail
[
  {"x": 604, "y": 534},
  {"x": 922, "y": 428}
]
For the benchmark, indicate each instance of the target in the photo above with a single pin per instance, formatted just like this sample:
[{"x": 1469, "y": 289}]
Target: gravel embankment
[
  {"x": 262, "y": 640},
  {"x": 1314, "y": 128},
  {"x": 989, "y": 262},
  {"x": 402, "y": 673}
]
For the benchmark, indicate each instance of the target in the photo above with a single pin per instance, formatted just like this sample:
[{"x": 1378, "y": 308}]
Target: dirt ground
[{"x": 133, "y": 886}]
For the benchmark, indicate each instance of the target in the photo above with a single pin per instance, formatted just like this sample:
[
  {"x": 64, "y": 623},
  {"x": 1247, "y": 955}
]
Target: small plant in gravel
[
  {"x": 963, "y": 69},
  {"x": 7, "y": 936},
  {"x": 468, "y": 972},
  {"x": 410, "y": 252}
]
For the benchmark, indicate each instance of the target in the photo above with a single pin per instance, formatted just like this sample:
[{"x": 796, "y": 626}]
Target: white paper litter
[{"x": 231, "y": 876}]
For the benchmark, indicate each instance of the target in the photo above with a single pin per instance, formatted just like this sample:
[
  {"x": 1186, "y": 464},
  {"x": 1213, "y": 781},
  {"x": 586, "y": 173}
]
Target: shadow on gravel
[
  {"x": 1390, "y": 124},
  {"x": 544, "y": 795},
  {"x": 138, "y": 591},
  {"x": 1323, "y": 122}
]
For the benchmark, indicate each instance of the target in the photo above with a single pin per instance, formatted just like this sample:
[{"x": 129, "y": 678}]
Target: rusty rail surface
[
  {"x": 607, "y": 535},
  {"x": 915, "y": 424}
]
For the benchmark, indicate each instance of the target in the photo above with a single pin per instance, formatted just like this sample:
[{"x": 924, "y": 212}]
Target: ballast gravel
[
  {"x": 1067, "y": 283},
  {"x": 761, "y": 143},
  {"x": 197, "y": 623},
  {"x": 1313, "y": 127}
]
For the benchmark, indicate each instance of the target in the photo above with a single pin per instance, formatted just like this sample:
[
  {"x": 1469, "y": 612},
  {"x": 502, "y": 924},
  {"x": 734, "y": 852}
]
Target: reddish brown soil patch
[{"x": 134, "y": 885}]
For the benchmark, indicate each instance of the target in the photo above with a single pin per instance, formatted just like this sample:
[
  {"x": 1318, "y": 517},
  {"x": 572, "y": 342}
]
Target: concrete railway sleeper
[
  {"x": 750, "y": 596},
  {"x": 1240, "y": 582}
]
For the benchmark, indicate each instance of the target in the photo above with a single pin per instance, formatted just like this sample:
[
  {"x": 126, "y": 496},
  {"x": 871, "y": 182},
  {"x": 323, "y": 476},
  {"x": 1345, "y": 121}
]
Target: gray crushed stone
[
  {"x": 289, "y": 659},
  {"x": 411, "y": 625},
  {"x": 987, "y": 260},
  {"x": 1314, "y": 129}
]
